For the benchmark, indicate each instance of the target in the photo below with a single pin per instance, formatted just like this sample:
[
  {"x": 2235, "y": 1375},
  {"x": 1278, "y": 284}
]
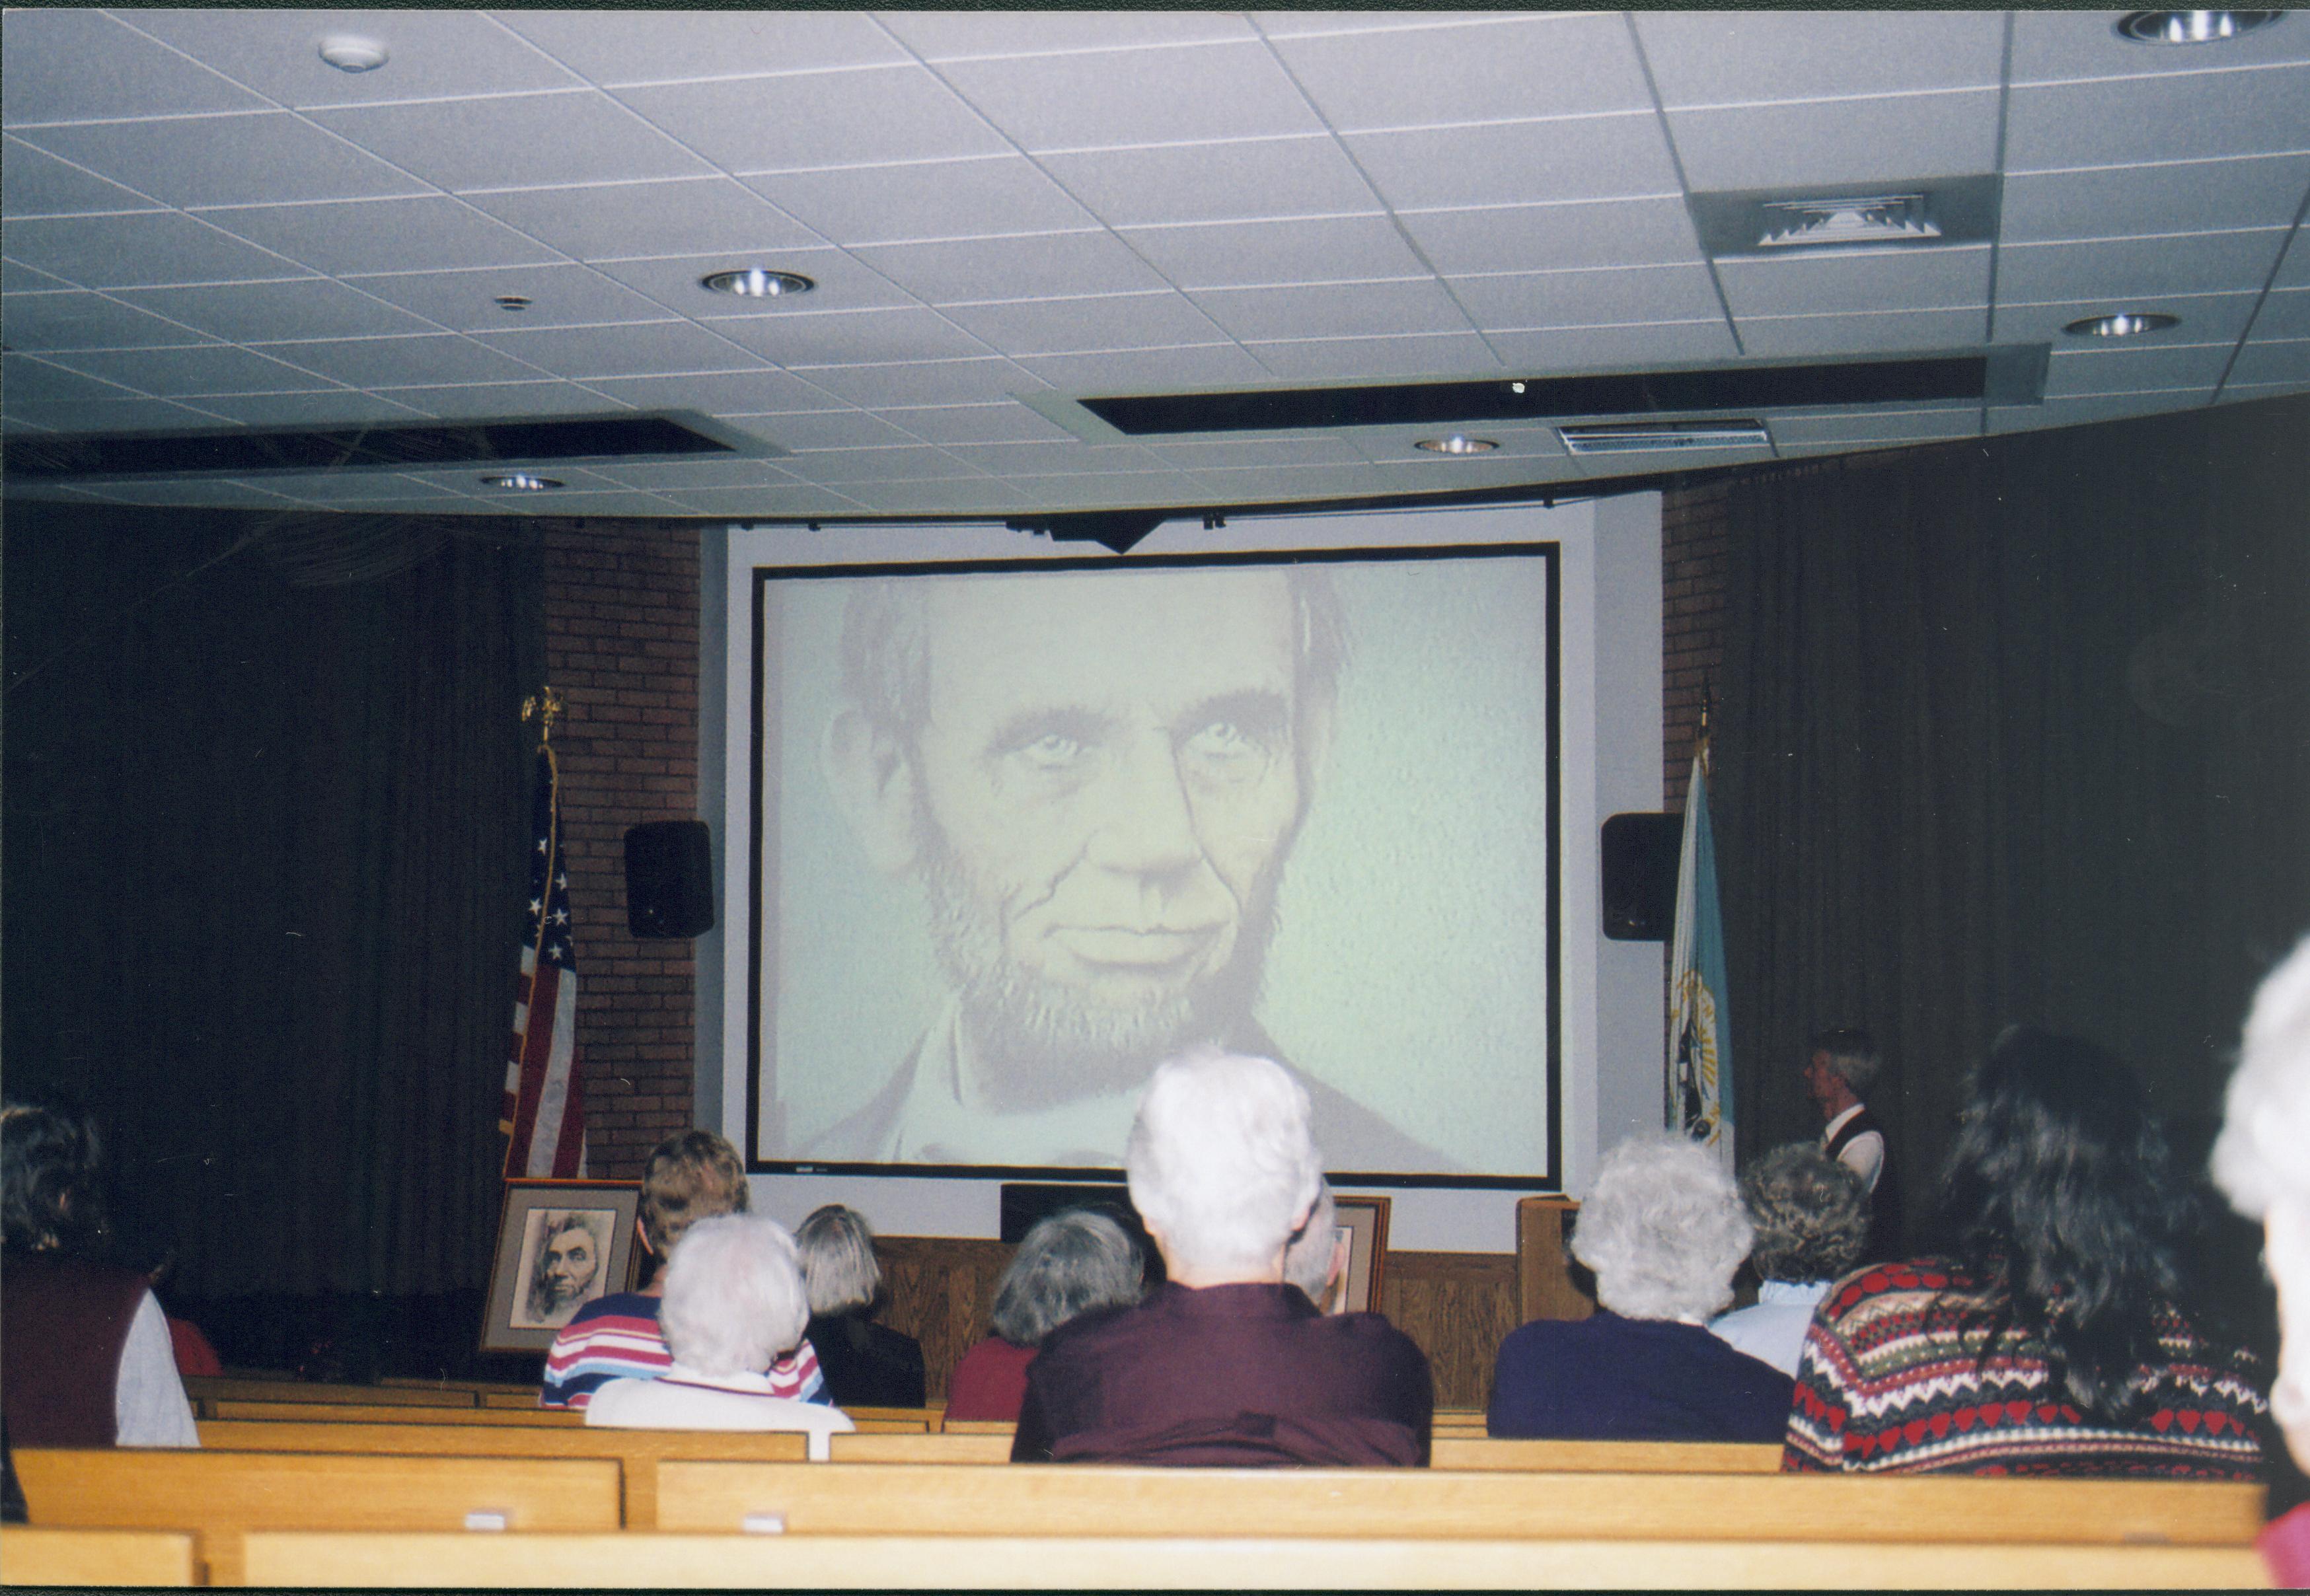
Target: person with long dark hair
[{"x": 2054, "y": 1339}]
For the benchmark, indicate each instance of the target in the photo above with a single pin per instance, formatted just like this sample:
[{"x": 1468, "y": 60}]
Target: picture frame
[
  {"x": 1363, "y": 1221},
  {"x": 561, "y": 1244}
]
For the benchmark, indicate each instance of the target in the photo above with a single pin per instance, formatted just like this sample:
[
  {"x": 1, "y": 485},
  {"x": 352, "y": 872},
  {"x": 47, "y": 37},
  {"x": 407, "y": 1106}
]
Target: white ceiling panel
[
  {"x": 2132, "y": 121},
  {"x": 666, "y": 46},
  {"x": 559, "y": 294},
  {"x": 1857, "y": 281},
  {"x": 729, "y": 393},
  {"x": 2294, "y": 269},
  {"x": 952, "y": 496},
  {"x": 1874, "y": 332},
  {"x": 721, "y": 471},
  {"x": 908, "y": 463},
  {"x": 29, "y": 381},
  {"x": 1187, "y": 93},
  {"x": 1053, "y": 458},
  {"x": 609, "y": 220},
  {"x": 16, "y": 278},
  {"x": 930, "y": 382},
  {"x": 1244, "y": 454},
  {"x": 73, "y": 319},
  {"x": 42, "y": 185},
  {"x": 1584, "y": 299},
  {"x": 2074, "y": 371},
  {"x": 280, "y": 312},
  {"x": 1042, "y": 265},
  {"x": 1900, "y": 425},
  {"x": 426, "y": 233},
  {"x": 1821, "y": 142},
  {"x": 112, "y": 415},
  {"x": 2182, "y": 196},
  {"x": 1564, "y": 158},
  {"x": 65, "y": 63},
  {"x": 508, "y": 401},
  {"x": 150, "y": 247},
  {"x": 2130, "y": 268},
  {"x": 923, "y": 200},
  {"x": 1618, "y": 347},
  {"x": 519, "y": 141},
  {"x": 434, "y": 360},
  {"x": 1632, "y": 232},
  {"x": 211, "y": 493},
  {"x": 435, "y": 54},
  {"x": 322, "y": 407},
  {"x": 829, "y": 429},
  {"x": 827, "y": 119},
  {"x": 844, "y": 337},
  {"x": 2085, "y": 411},
  {"x": 1706, "y": 58},
  {"x": 2052, "y": 45},
  {"x": 1334, "y": 311},
  {"x": 1241, "y": 180},
  {"x": 227, "y": 160},
  {"x": 1008, "y": 422},
  {"x": 2280, "y": 360},
  {"x": 2285, "y": 314},
  {"x": 1148, "y": 371},
  {"x": 1495, "y": 70},
  {"x": 1250, "y": 253},
  {"x": 1410, "y": 355},
  {"x": 1073, "y": 326},
  {"x": 742, "y": 503},
  {"x": 631, "y": 349},
  {"x": 963, "y": 35},
  {"x": 197, "y": 370},
  {"x": 674, "y": 281}
]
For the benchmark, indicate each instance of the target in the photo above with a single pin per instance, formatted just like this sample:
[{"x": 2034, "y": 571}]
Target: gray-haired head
[
  {"x": 1809, "y": 1211},
  {"x": 1067, "y": 1264},
  {"x": 2263, "y": 1152},
  {"x": 838, "y": 1260},
  {"x": 733, "y": 1296},
  {"x": 1307, "y": 1261},
  {"x": 1663, "y": 1229},
  {"x": 1853, "y": 1055},
  {"x": 1220, "y": 1162}
]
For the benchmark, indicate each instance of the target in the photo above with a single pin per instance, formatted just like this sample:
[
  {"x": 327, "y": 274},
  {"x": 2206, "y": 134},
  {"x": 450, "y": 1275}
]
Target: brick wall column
[{"x": 1693, "y": 555}]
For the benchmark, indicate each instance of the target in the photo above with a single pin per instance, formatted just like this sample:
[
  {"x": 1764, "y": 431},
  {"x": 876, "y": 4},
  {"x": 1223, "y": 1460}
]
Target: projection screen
[{"x": 1022, "y": 828}]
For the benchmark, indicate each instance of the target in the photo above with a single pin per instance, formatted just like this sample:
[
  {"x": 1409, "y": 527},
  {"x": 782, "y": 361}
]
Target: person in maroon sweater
[
  {"x": 1225, "y": 1365},
  {"x": 1065, "y": 1266}
]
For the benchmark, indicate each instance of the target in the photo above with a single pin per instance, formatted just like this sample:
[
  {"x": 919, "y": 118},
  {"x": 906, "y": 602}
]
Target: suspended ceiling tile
[
  {"x": 16, "y": 278},
  {"x": 69, "y": 65},
  {"x": 1249, "y": 254},
  {"x": 1579, "y": 298},
  {"x": 428, "y": 232},
  {"x": 845, "y": 283},
  {"x": 1320, "y": 451},
  {"x": 930, "y": 382},
  {"x": 2249, "y": 393},
  {"x": 2078, "y": 371},
  {"x": 976, "y": 495},
  {"x": 1337, "y": 309},
  {"x": 1626, "y": 232},
  {"x": 2204, "y": 318},
  {"x": 653, "y": 45},
  {"x": 516, "y": 140},
  {"x": 766, "y": 503},
  {"x": 734, "y": 393},
  {"x": 2193, "y": 263},
  {"x": 332, "y": 409},
  {"x": 1077, "y": 326},
  {"x": 432, "y": 55},
  {"x": 436, "y": 360},
  {"x": 465, "y": 301},
  {"x": 827, "y": 430},
  {"x": 147, "y": 248},
  {"x": 829, "y": 118},
  {"x": 1929, "y": 278},
  {"x": 847, "y": 337},
  {"x": 2285, "y": 314},
  {"x": 1129, "y": 490},
  {"x": 35, "y": 183},
  {"x": 607, "y": 220},
  {"x": 198, "y": 369},
  {"x": 111, "y": 415},
  {"x": 2294, "y": 270},
  {"x": 1148, "y": 371},
  {"x": 931, "y": 199},
  {"x": 1414, "y": 354},
  {"x": 2050, "y": 45},
  {"x": 907, "y": 463},
  {"x": 28, "y": 382},
  {"x": 1057, "y": 458},
  {"x": 227, "y": 160},
  {"x": 1603, "y": 348},
  {"x": 208, "y": 493},
  {"x": 966, "y": 35},
  {"x": 1816, "y": 144},
  {"x": 283, "y": 312},
  {"x": 1236, "y": 181},
  {"x": 1489, "y": 71},
  {"x": 1565, "y": 157},
  {"x": 633, "y": 349},
  {"x": 608, "y": 502},
  {"x": 1052, "y": 265},
  {"x": 1867, "y": 332},
  {"x": 508, "y": 401},
  {"x": 1706, "y": 58},
  {"x": 2181, "y": 196},
  {"x": 1008, "y": 422},
  {"x": 2274, "y": 360},
  {"x": 1257, "y": 484},
  {"x": 1169, "y": 95},
  {"x": 75, "y": 319},
  {"x": 660, "y": 476},
  {"x": 1901, "y": 426},
  {"x": 2178, "y": 118},
  {"x": 2082, "y": 411}
]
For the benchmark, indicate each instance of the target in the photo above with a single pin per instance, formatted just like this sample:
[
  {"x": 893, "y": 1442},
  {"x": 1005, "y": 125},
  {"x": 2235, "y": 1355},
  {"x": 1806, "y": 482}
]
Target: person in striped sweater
[
  {"x": 2055, "y": 1339},
  {"x": 689, "y": 1177}
]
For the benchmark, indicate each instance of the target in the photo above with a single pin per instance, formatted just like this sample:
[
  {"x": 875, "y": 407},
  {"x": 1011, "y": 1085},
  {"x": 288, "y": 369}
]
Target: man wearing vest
[{"x": 1844, "y": 1063}]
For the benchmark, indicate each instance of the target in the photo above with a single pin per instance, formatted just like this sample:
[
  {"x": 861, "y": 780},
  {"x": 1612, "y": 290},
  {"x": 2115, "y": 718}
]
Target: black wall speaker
[
  {"x": 669, "y": 878},
  {"x": 1640, "y": 867}
]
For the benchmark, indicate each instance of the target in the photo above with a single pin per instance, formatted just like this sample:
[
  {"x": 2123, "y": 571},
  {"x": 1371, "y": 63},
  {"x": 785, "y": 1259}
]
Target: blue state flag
[{"x": 1700, "y": 1041}]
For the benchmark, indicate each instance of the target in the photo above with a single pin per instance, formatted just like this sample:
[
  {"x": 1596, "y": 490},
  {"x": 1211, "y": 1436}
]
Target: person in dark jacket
[{"x": 866, "y": 1365}]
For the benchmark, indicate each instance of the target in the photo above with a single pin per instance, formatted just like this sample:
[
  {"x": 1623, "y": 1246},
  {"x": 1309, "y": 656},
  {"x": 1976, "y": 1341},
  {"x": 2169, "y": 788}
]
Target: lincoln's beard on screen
[{"x": 1043, "y": 1042}]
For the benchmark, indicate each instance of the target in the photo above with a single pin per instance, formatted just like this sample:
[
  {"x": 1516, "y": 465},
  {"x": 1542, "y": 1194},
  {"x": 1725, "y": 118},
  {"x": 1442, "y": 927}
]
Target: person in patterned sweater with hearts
[{"x": 2053, "y": 1340}]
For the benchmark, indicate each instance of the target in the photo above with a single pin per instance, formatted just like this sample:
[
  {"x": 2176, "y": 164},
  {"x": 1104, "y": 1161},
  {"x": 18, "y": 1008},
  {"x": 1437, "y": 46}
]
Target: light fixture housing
[
  {"x": 1457, "y": 442},
  {"x": 1861, "y": 219},
  {"x": 1644, "y": 437},
  {"x": 2121, "y": 324},
  {"x": 757, "y": 283},
  {"x": 514, "y": 302},
  {"x": 521, "y": 481},
  {"x": 349, "y": 52},
  {"x": 2191, "y": 27}
]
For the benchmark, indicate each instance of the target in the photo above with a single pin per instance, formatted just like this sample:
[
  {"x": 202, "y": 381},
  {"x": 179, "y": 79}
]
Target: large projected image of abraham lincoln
[{"x": 1095, "y": 782}]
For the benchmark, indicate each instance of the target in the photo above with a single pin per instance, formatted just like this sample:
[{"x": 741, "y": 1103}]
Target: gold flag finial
[{"x": 544, "y": 707}]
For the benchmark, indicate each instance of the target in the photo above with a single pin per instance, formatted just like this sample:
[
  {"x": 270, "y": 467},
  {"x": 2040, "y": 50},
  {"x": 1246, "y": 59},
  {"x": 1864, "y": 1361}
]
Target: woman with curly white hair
[{"x": 1663, "y": 1229}]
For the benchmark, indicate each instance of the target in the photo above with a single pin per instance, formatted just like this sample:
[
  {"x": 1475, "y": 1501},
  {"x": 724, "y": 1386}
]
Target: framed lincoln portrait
[
  {"x": 561, "y": 1244},
  {"x": 1362, "y": 1224}
]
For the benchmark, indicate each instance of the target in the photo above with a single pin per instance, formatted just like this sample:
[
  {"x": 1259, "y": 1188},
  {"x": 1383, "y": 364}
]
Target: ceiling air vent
[
  {"x": 1925, "y": 211},
  {"x": 1644, "y": 437},
  {"x": 1874, "y": 219}
]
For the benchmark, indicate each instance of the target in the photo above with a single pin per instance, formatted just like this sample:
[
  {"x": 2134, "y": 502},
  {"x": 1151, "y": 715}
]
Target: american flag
[{"x": 544, "y": 1110}]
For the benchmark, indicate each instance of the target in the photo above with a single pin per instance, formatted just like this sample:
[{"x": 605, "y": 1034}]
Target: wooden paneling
[
  {"x": 1546, "y": 1277},
  {"x": 940, "y": 1288},
  {"x": 1459, "y": 1306}
]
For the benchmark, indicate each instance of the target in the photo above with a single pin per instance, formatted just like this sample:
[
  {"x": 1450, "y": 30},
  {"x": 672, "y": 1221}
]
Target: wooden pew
[
  {"x": 353, "y": 1413},
  {"x": 228, "y": 1388},
  {"x": 523, "y": 1397},
  {"x": 219, "y": 1495},
  {"x": 637, "y": 1451},
  {"x": 639, "y": 1561},
  {"x": 30, "y": 1557},
  {"x": 480, "y": 1388},
  {"x": 835, "y": 1499},
  {"x": 1610, "y": 1457},
  {"x": 950, "y": 1447},
  {"x": 977, "y": 1426}
]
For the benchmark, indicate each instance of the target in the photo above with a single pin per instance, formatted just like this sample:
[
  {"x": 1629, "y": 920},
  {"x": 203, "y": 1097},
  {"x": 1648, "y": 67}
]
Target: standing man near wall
[{"x": 1844, "y": 1065}]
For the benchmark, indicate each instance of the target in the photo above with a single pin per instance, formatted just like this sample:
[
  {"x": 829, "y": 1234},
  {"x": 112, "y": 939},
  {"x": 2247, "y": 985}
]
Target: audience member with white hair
[
  {"x": 2262, "y": 1161},
  {"x": 1810, "y": 1213},
  {"x": 733, "y": 1305},
  {"x": 1225, "y": 1364},
  {"x": 1065, "y": 1266},
  {"x": 1663, "y": 1229}
]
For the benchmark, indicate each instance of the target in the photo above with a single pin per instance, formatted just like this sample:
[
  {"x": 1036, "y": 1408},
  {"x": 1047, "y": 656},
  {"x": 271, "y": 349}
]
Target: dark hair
[
  {"x": 2062, "y": 1200},
  {"x": 50, "y": 1199},
  {"x": 1068, "y": 1265},
  {"x": 1812, "y": 1214},
  {"x": 1854, "y": 1056}
]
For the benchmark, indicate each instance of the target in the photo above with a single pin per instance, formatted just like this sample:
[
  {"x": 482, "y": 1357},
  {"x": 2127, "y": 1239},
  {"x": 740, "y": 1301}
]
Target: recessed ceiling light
[
  {"x": 1459, "y": 443},
  {"x": 514, "y": 301},
  {"x": 2125, "y": 324},
  {"x": 521, "y": 481},
  {"x": 757, "y": 283},
  {"x": 349, "y": 52},
  {"x": 2190, "y": 27}
]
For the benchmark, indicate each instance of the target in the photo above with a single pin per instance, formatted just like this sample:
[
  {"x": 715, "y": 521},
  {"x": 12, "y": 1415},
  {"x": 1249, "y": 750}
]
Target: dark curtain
[
  {"x": 264, "y": 847},
  {"x": 2014, "y": 730}
]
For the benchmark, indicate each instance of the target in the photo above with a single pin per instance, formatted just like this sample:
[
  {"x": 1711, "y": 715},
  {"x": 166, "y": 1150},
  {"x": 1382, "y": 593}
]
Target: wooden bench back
[
  {"x": 1612, "y": 1457},
  {"x": 229, "y": 1388},
  {"x": 954, "y": 1562},
  {"x": 30, "y": 1557},
  {"x": 835, "y": 1499},
  {"x": 950, "y": 1447},
  {"x": 352, "y": 1413}
]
